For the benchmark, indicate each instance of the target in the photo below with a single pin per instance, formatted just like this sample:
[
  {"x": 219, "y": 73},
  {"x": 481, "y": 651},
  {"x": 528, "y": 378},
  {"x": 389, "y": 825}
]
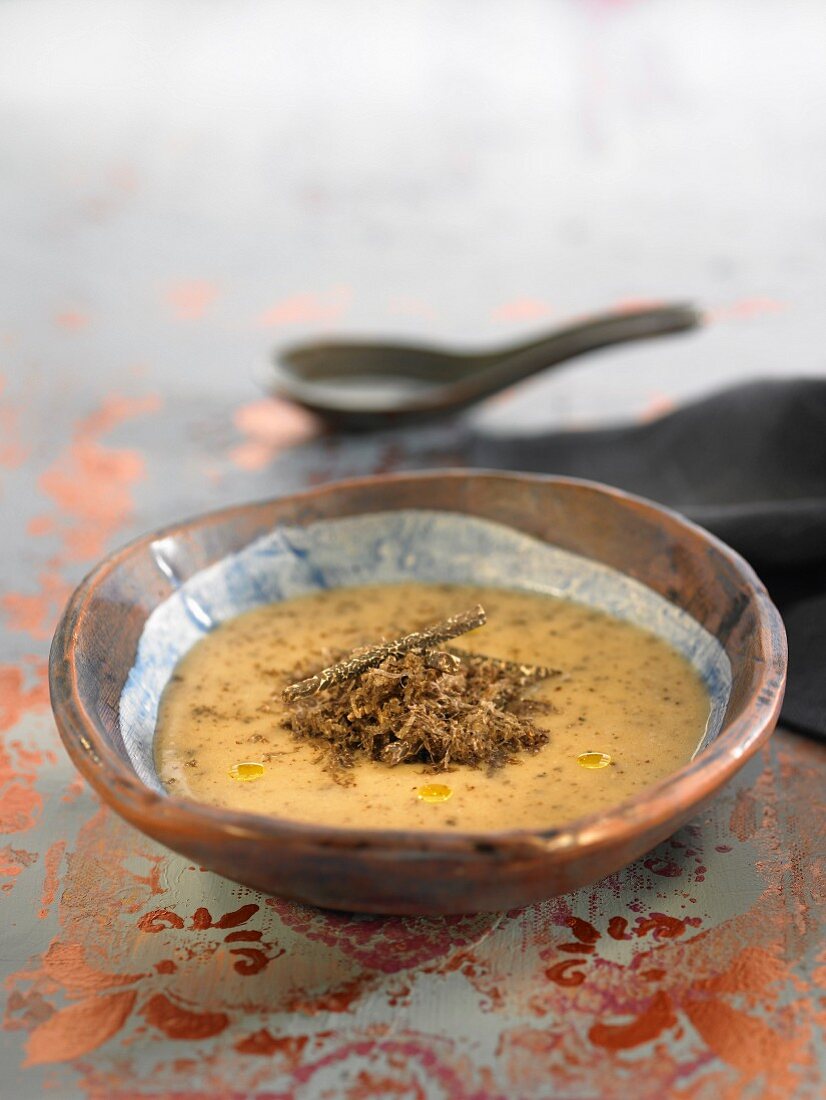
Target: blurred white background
[{"x": 184, "y": 185}]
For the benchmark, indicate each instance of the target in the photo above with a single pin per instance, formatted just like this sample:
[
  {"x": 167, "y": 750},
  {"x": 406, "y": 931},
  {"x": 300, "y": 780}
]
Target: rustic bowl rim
[{"x": 112, "y": 777}]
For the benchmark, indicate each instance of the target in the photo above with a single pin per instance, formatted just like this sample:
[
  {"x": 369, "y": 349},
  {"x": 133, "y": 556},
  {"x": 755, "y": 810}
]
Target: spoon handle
[{"x": 599, "y": 331}]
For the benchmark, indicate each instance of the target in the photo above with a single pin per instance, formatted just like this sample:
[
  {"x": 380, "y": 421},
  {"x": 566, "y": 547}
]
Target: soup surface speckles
[{"x": 624, "y": 694}]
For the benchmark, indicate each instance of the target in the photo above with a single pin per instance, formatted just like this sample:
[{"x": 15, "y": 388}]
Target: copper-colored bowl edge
[{"x": 671, "y": 801}]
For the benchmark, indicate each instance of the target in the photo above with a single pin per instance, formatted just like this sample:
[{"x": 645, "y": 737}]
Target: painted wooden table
[{"x": 181, "y": 191}]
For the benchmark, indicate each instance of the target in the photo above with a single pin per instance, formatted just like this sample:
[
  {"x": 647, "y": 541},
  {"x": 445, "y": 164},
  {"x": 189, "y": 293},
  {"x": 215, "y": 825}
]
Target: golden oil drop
[
  {"x": 593, "y": 759},
  {"x": 246, "y": 771},
  {"x": 434, "y": 792}
]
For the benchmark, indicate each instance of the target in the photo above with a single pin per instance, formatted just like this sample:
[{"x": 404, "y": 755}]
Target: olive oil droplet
[
  {"x": 434, "y": 792},
  {"x": 246, "y": 771},
  {"x": 594, "y": 759}
]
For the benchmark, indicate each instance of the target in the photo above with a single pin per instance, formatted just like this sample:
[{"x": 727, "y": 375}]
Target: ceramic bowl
[{"x": 145, "y": 605}]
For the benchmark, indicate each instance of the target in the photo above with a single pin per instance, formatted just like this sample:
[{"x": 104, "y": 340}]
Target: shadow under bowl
[{"x": 144, "y": 605}]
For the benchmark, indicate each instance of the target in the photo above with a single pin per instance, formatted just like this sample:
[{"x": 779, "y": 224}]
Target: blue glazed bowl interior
[{"x": 385, "y": 548}]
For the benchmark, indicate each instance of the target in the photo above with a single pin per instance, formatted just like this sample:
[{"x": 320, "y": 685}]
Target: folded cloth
[{"x": 749, "y": 464}]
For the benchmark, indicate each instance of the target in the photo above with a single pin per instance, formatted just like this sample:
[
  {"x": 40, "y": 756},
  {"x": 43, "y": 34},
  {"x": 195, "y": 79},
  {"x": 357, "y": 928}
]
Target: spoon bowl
[{"x": 365, "y": 385}]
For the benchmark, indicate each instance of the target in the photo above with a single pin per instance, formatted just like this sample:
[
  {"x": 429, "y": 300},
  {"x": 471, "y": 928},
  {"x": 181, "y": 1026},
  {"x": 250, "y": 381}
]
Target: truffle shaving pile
[{"x": 439, "y": 708}]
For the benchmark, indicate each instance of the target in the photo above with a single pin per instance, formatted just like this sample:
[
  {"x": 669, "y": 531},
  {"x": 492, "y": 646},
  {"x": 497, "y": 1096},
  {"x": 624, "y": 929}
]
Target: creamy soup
[{"x": 626, "y": 711}]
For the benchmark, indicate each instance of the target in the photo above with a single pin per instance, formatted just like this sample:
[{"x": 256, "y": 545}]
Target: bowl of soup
[{"x": 615, "y": 666}]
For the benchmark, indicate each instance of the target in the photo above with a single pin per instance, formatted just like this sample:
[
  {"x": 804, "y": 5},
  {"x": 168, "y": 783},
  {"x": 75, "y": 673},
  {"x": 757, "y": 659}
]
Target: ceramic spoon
[{"x": 357, "y": 386}]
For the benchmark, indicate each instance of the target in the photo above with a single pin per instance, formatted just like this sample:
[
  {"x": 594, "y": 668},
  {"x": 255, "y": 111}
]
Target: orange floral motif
[
  {"x": 79, "y": 1028},
  {"x": 261, "y": 1042},
  {"x": 647, "y": 1026},
  {"x": 177, "y": 1022}
]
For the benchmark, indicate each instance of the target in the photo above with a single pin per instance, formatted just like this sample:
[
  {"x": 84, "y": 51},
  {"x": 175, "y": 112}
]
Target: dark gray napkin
[{"x": 750, "y": 465}]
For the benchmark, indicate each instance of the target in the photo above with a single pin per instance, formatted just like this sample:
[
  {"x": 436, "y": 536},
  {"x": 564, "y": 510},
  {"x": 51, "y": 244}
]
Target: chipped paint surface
[
  {"x": 189, "y": 300},
  {"x": 325, "y": 308},
  {"x": 268, "y": 427}
]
